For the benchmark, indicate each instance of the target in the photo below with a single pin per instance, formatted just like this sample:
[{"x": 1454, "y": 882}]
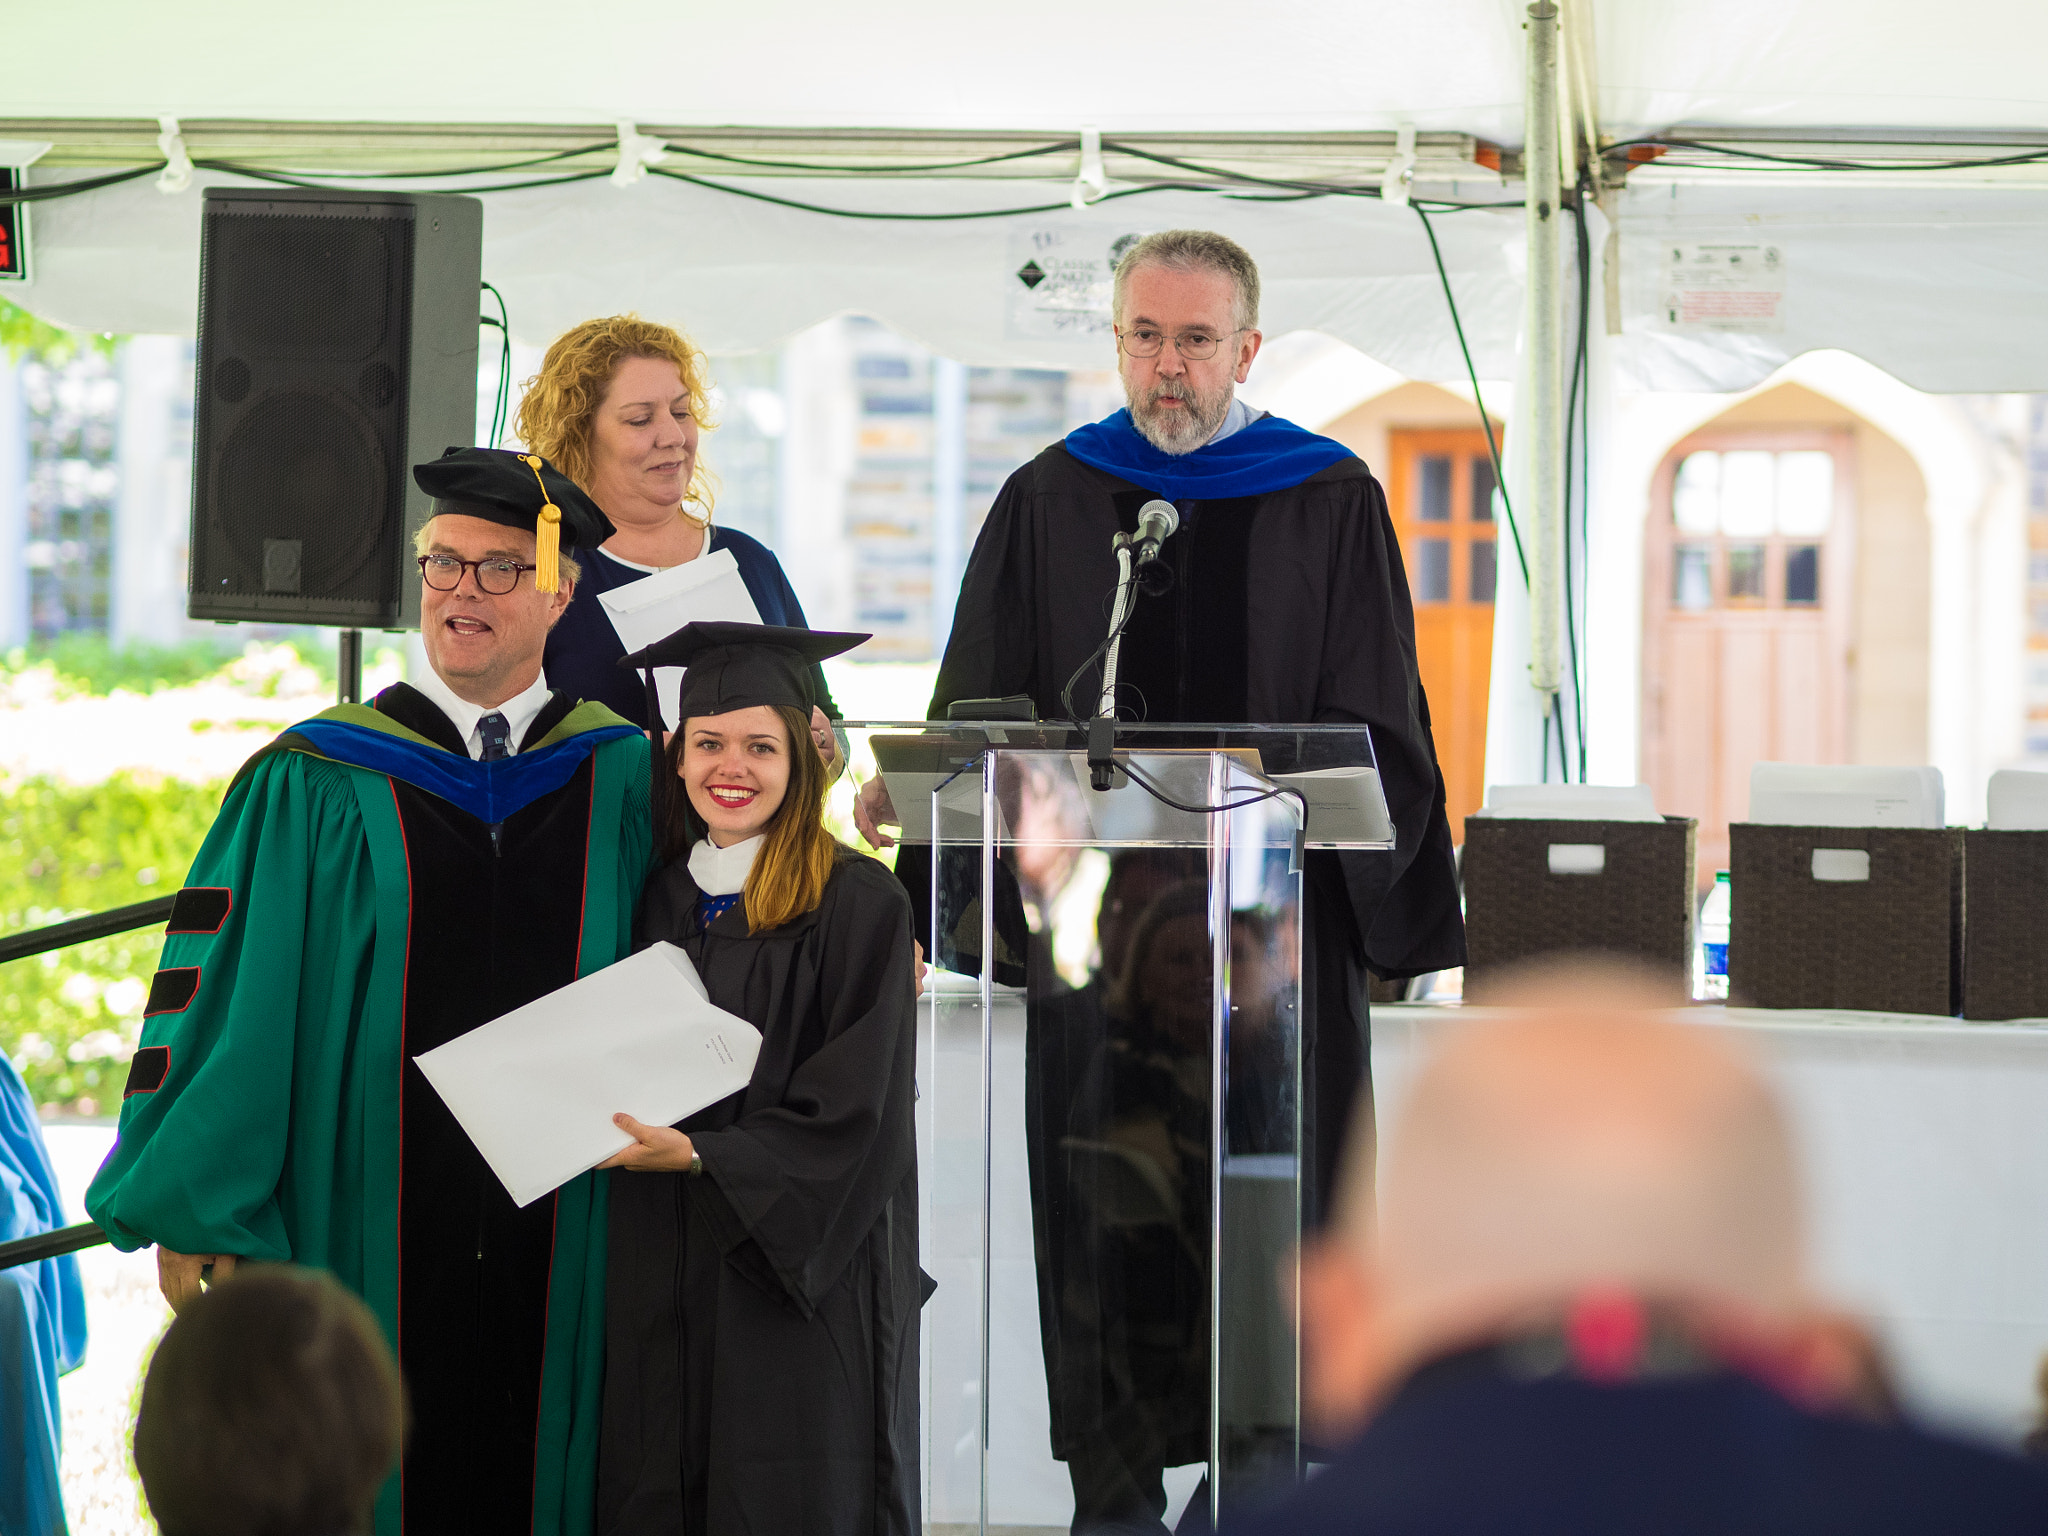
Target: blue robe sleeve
[{"x": 42, "y": 1322}]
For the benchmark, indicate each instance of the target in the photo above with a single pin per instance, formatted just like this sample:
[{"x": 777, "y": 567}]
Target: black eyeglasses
[
  {"x": 496, "y": 577},
  {"x": 1195, "y": 346}
]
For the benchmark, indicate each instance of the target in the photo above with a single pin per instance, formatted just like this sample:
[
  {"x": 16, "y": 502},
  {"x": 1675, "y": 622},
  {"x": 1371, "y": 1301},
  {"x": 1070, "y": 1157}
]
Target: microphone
[{"x": 1157, "y": 521}]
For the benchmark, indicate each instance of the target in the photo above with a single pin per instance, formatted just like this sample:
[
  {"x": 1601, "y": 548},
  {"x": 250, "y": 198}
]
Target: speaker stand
[{"x": 348, "y": 663}]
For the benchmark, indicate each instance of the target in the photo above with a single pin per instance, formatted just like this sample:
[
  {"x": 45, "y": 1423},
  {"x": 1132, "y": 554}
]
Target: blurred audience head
[
  {"x": 271, "y": 1408},
  {"x": 1576, "y": 1149}
]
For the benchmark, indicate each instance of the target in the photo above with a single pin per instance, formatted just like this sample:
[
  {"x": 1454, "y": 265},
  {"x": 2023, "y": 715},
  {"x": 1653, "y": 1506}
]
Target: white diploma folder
[
  {"x": 537, "y": 1088},
  {"x": 653, "y": 608}
]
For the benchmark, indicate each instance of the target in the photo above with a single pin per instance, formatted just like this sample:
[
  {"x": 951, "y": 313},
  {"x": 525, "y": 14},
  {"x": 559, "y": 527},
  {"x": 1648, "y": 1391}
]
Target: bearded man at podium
[{"x": 1288, "y": 604}]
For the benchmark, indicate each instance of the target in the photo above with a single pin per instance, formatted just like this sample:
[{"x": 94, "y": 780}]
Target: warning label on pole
[{"x": 1710, "y": 287}]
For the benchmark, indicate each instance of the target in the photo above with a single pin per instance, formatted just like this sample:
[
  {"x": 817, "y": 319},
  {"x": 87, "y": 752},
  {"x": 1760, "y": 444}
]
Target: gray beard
[{"x": 1184, "y": 430}]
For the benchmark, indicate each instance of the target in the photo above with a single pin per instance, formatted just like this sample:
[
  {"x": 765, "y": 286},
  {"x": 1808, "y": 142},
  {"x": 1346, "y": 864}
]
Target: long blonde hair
[
  {"x": 561, "y": 401},
  {"x": 795, "y": 862}
]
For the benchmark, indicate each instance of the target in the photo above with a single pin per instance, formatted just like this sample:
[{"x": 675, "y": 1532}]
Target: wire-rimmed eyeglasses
[
  {"x": 1195, "y": 346},
  {"x": 495, "y": 577}
]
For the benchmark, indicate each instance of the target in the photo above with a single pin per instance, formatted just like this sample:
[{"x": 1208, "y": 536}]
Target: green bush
[
  {"x": 87, "y": 663},
  {"x": 70, "y": 1018}
]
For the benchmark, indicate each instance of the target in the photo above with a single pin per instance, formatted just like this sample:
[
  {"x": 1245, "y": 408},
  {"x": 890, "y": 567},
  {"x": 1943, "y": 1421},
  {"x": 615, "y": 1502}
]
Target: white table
[{"x": 1925, "y": 1148}]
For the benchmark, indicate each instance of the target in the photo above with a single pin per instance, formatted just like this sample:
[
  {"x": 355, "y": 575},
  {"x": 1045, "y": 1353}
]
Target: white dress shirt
[
  {"x": 1236, "y": 419},
  {"x": 519, "y": 711}
]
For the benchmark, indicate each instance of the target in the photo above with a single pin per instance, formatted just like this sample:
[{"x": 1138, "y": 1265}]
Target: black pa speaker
[{"x": 337, "y": 348}]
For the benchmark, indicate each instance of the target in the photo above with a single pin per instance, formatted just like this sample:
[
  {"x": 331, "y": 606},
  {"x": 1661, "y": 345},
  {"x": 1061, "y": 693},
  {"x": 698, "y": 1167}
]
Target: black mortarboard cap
[
  {"x": 731, "y": 666},
  {"x": 737, "y": 666},
  {"x": 517, "y": 490}
]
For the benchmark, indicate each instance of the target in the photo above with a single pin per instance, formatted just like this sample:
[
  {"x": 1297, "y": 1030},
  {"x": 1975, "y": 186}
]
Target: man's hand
[
  {"x": 871, "y": 807},
  {"x": 182, "y": 1277},
  {"x": 656, "y": 1149},
  {"x": 822, "y": 737},
  {"x": 914, "y": 944}
]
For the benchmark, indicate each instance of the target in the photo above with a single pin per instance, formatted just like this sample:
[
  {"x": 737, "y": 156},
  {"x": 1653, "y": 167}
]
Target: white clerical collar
[
  {"x": 1236, "y": 419},
  {"x": 723, "y": 871},
  {"x": 519, "y": 711}
]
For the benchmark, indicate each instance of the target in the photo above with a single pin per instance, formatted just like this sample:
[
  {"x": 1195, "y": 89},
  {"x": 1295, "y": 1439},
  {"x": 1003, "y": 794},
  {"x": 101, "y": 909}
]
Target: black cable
[
  {"x": 1822, "y": 162},
  {"x": 71, "y": 188},
  {"x": 283, "y": 179},
  {"x": 1500, "y": 479},
  {"x": 1576, "y": 418},
  {"x": 1060, "y": 147},
  {"x": 856, "y": 213},
  {"x": 1138, "y": 777},
  {"x": 1067, "y": 693},
  {"x": 501, "y": 407},
  {"x": 470, "y": 170}
]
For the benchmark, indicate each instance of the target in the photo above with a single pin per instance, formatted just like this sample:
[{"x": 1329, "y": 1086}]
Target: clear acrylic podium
[{"x": 1109, "y": 1117}]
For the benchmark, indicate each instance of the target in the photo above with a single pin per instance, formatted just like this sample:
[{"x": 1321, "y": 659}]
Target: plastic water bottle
[{"x": 1713, "y": 963}]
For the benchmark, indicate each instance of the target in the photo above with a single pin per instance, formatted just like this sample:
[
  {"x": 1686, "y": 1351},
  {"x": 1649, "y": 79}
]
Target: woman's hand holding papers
[{"x": 656, "y": 1148}]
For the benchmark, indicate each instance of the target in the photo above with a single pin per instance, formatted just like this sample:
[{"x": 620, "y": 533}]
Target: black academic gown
[
  {"x": 497, "y": 924},
  {"x": 761, "y": 1356},
  {"x": 1288, "y": 607}
]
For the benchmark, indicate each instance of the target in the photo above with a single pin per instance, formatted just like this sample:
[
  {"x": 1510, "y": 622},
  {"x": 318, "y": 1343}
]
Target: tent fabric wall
[
  {"x": 1939, "y": 286},
  {"x": 1058, "y": 65}
]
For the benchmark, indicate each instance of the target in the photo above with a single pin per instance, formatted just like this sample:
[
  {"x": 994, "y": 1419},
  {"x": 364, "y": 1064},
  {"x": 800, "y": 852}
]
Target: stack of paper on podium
[
  {"x": 1796, "y": 795},
  {"x": 1342, "y": 805},
  {"x": 536, "y": 1089},
  {"x": 705, "y": 589},
  {"x": 1571, "y": 802}
]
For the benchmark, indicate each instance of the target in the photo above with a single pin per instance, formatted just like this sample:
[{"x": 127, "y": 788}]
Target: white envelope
[
  {"x": 1571, "y": 802},
  {"x": 2017, "y": 801},
  {"x": 707, "y": 588},
  {"x": 1805, "y": 795},
  {"x": 536, "y": 1089}
]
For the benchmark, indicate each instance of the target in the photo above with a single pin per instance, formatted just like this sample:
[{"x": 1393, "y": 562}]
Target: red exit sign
[{"x": 13, "y": 228}]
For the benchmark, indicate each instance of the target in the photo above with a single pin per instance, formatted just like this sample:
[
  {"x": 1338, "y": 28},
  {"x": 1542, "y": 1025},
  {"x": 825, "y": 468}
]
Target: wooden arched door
[
  {"x": 1440, "y": 487},
  {"x": 1747, "y": 583}
]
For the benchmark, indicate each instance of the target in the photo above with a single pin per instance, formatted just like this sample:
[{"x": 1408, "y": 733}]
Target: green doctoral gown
[{"x": 367, "y": 893}]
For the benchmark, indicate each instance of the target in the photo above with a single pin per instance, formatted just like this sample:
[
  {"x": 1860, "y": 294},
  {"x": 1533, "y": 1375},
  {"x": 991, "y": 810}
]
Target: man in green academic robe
[{"x": 382, "y": 879}]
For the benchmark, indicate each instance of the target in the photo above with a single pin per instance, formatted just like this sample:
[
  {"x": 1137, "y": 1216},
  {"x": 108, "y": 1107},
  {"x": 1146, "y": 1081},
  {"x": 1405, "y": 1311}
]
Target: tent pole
[{"x": 1543, "y": 417}]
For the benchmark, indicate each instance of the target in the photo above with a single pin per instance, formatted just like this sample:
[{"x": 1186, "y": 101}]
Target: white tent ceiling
[
  {"x": 1052, "y": 65},
  {"x": 1934, "y": 276}
]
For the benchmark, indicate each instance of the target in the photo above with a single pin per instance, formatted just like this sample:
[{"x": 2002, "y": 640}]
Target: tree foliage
[
  {"x": 70, "y": 1019},
  {"x": 22, "y": 332}
]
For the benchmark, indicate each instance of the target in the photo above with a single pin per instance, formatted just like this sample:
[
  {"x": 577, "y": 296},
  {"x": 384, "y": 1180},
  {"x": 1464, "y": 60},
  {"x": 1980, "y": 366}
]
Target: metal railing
[
  {"x": 37, "y": 941},
  {"x": 99, "y": 925},
  {"x": 50, "y": 1245}
]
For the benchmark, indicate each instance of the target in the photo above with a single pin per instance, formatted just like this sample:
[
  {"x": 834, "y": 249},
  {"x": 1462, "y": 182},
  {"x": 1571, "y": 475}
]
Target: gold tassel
[
  {"x": 547, "y": 576},
  {"x": 547, "y": 534}
]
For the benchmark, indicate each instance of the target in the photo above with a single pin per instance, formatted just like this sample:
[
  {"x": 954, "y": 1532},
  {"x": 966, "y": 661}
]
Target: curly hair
[{"x": 560, "y": 402}]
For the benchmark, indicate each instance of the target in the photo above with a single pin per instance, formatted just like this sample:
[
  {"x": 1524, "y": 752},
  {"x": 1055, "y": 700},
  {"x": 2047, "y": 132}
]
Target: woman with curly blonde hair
[{"x": 618, "y": 406}]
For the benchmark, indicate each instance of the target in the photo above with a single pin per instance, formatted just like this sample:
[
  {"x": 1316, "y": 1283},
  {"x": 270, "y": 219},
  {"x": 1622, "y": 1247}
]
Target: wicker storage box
[
  {"x": 1529, "y": 891},
  {"x": 2005, "y": 925},
  {"x": 1807, "y": 934}
]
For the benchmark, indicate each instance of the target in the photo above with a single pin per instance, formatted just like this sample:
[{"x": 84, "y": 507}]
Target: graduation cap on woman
[
  {"x": 517, "y": 490},
  {"x": 733, "y": 666}
]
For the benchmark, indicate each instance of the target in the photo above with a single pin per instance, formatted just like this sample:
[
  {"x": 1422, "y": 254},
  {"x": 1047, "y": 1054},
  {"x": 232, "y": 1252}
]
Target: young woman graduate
[{"x": 761, "y": 1354}]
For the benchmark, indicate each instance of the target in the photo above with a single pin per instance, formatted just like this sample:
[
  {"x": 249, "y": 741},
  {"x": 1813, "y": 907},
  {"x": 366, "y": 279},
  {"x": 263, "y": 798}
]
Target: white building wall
[{"x": 152, "y": 510}]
